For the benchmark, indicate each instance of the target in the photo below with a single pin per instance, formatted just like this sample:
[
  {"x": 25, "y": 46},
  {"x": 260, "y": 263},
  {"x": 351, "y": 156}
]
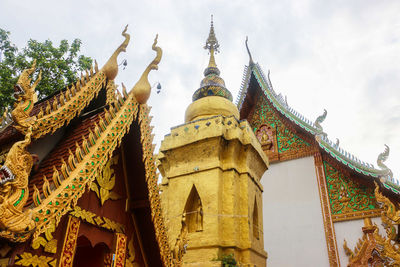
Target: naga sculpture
[
  {"x": 142, "y": 88},
  {"x": 111, "y": 67},
  {"x": 337, "y": 143},
  {"x": 390, "y": 216},
  {"x": 319, "y": 120},
  {"x": 26, "y": 97},
  {"x": 14, "y": 176},
  {"x": 382, "y": 158}
]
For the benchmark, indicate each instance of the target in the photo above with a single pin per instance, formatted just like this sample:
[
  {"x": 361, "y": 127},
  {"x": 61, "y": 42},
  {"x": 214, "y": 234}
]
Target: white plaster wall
[
  {"x": 351, "y": 231},
  {"x": 293, "y": 225}
]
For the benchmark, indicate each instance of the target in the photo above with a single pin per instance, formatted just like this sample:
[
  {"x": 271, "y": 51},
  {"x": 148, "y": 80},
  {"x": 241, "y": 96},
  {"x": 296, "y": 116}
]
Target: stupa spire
[
  {"x": 212, "y": 46},
  {"x": 212, "y": 84},
  {"x": 212, "y": 98}
]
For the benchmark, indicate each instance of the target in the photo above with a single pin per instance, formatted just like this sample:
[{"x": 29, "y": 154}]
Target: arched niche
[
  {"x": 88, "y": 256},
  {"x": 256, "y": 230},
  {"x": 193, "y": 212}
]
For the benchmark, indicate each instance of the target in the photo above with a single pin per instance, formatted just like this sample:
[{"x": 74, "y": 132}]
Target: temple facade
[
  {"x": 78, "y": 183},
  {"x": 322, "y": 205},
  {"x": 211, "y": 167}
]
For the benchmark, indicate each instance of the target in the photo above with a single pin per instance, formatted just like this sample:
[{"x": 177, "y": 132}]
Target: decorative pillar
[
  {"x": 326, "y": 212},
  {"x": 69, "y": 246},
  {"x": 120, "y": 250}
]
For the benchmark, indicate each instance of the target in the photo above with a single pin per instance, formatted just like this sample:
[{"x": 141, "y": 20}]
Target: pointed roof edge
[
  {"x": 251, "y": 62},
  {"x": 58, "y": 109},
  {"x": 332, "y": 148}
]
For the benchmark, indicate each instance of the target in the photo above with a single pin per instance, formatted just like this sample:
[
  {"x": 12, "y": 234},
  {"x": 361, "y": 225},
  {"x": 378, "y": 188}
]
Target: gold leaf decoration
[
  {"x": 27, "y": 259},
  {"x": 14, "y": 179},
  {"x": 374, "y": 249},
  {"x": 131, "y": 256},
  {"x": 92, "y": 218},
  {"x": 48, "y": 242},
  {"x": 106, "y": 182}
]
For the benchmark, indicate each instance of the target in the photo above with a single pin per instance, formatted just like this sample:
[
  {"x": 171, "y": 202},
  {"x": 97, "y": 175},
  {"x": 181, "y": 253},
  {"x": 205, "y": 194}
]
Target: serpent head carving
[
  {"x": 111, "y": 67},
  {"x": 320, "y": 119},
  {"x": 26, "y": 96},
  {"x": 142, "y": 88}
]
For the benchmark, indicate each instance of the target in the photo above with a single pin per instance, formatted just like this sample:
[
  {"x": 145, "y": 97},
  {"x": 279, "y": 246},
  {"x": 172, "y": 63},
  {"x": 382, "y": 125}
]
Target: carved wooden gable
[
  {"x": 348, "y": 198},
  {"x": 279, "y": 142}
]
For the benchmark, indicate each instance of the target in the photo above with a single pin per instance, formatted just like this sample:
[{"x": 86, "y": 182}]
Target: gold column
[{"x": 120, "y": 250}]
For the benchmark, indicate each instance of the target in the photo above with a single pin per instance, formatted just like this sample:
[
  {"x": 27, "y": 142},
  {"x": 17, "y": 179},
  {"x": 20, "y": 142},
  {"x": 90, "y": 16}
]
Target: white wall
[{"x": 293, "y": 225}]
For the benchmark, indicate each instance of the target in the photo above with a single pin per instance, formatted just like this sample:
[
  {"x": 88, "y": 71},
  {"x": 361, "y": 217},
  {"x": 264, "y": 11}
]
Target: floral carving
[
  {"x": 347, "y": 196},
  {"x": 92, "y": 218},
  {"x": 131, "y": 256},
  {"x": 105, "y": 182},
  {"x": 287, "y": 141},
  {"x": 48, "y": 241},
  {"x": 27, "y": 259}
]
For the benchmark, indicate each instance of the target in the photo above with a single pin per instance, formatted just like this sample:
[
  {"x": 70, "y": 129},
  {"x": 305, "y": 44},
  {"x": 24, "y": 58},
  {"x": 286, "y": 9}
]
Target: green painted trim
[
  {"x": 29, "y": 104},
  {"x": 20, "y": 198}
]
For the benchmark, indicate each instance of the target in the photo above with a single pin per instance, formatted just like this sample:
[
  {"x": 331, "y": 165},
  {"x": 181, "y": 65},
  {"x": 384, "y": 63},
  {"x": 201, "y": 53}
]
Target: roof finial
[
  {"x": 212, "y": 84},
  {"x": 213, "y": 47},
  {"x": 142, "y": 88},
  {"x": 248, "y": 51},
  {"x": 382, "y": 158},
  {"x": 111, "y": 67},
  {"x": 319, "y": 120}
]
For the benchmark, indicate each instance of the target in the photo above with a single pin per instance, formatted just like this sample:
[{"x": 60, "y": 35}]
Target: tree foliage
[{"x": 60, "y": 65}]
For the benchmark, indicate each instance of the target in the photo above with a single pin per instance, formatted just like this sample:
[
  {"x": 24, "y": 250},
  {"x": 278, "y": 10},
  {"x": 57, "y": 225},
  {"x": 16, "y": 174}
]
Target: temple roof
[
  {"x": 60, "y": 153},
  {"x": 95, "y": 117},
  {"x": 315, "y": 129}
]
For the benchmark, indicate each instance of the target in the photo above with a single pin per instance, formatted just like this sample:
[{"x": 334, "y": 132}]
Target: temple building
[
  {"x": 322, "y": 205},
  {"x": 78, "y": 183},
  {"x": 211, "y": 167}
]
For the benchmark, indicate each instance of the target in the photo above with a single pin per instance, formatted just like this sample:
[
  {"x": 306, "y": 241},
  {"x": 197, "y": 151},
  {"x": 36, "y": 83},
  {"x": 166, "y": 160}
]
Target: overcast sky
[{"x": 340, "y": 55}]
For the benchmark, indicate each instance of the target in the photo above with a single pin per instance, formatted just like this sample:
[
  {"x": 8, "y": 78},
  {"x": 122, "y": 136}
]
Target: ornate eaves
[
  {"x": 68, "y": 104},
  {"x": 333, "y": 149},
  {"x": 347, "y": 158},
  {"x": 63, "y": 107},
  {"x": 62, "y": 192}
]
